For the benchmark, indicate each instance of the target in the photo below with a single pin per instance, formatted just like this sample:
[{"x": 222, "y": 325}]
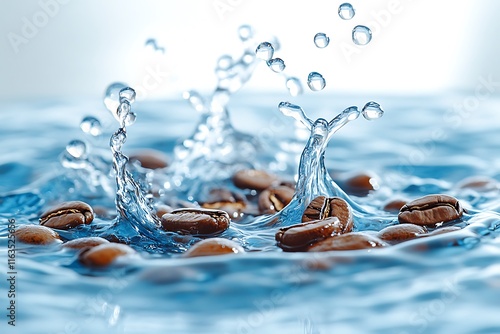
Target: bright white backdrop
[{"x": 71, "y": 48}]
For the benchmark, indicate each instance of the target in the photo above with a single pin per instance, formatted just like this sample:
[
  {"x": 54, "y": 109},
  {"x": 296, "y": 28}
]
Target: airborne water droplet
[
  {"x": 361, "y": 35},
  {"x": 321, "y": 40},
  {"x": 264, "y": 51},
  {"x": 224, "y": 62},
  {"x": 276, "y": 64},
  {"x": 315, "y": 81},
  {"x": 112, "y": 96},
  {"x": 346, "y": 11},
  {"x": 76, "y": 148},
  {"x": 130, "y": 118},
  {"x": 91, "y": 125},
  {"x": 245, "y": 32},
  {"x": 372, "y": 111},
  {"x": 128, "y": 94},
  {"x": 294, "y": 86}
]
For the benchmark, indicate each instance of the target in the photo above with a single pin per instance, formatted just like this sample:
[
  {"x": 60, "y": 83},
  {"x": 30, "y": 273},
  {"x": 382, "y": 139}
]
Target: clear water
[{"x": 450, "y": 285}]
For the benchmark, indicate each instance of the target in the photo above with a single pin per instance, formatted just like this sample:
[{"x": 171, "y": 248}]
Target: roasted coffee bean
[
  {"x": 274, "y": 199},
  {"x": 322, "y": 207},
  {"x": 394, "y": 205},
  {"x": 348, "y": 241},
  {"x": 163, "y": 209},
  {"x": 36, "y": 235},
  {"x": 214, "y": 246},
  {"x": 82, "y": 243},
  {"x": 479, "y": 184},
  {"x": 104, "y": 254},
  {"x": 149, "y": 158},
  {"x": 67, "y": 215},
  {"x": 296, "y": 238},
  {"x": 197, "y": 222},
  {"x": 431, "y": 210},
  {"x": 225, "y": 200},
  {"x": 402, "y": 232},
  {"x": 360, "y": 184},
  {"x": 254, "y": 179}
]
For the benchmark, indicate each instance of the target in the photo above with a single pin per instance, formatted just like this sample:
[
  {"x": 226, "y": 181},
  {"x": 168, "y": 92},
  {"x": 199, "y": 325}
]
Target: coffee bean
[
  {"x": 225, "y": 200},
  {"x": 104, "y": 254},
  {"x": 82, "y": 243},
  {"x": 254, "y": 179},
  {"x": 360, "y": 184},
  {"x": 431, "y": 210},
  {"x": 479, "y": 184},
  {"x": 149, "y": 158},
  {"x": 67, "y": 215},
  {"x": 402, "y": 232},
  {"x": 322, "y": 208},
  {"x": 36, "y": 235},
  {"x": 274, "y": 199},
  {"x": 296, "y": 238},
  {"x": 197, "y": 222},
  {"x": 214, "y": 246},
  {"x": 393, "y": 206},
  {"x": 162, "y": 209},
  {"x": 348, "y": 241}
]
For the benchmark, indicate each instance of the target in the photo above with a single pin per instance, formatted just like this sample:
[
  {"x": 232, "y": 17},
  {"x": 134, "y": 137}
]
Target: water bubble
[
  {"x": 372, "y": 111},
  {"x": 315, "y": 81},
  {"x": 128, "y": 94},
  {"x": 321, "y": 40},
  {"x": 294, "y": 86},
  {"x": 91, "y": 125},
  {"x": 112, "y": 96},
  {"x": 264, "y": 51},
  {"x": 276, "y": 64},
  {"x": 361, "y": 35},
  {"x": 346, "y": 11},
  {"x": 224, "y": 62},
  {"x": 245, "y": 32},
  {"x": 76, "y": 148}
]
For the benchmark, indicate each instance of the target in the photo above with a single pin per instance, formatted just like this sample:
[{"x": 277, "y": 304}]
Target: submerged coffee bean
[
  {"x": 36, "y": 235},
  {"x": 401, "y": 232},
  {"x": 149, "y": 158},
  {"x": 225, "y": 200},
  {"x": 274, "y": 199},
  {"x": 431, "y": 210},
  {"x": 348, "y": 241},
  {"x": 104, "y": 254},
  {"x": 214, "y": 246},
  {"x": 297, "y": 237},
  {"x": 322, "y": 208},
  {"x": 254, "y": 179},
  {"x": 67, "y": 215},
  {"x": 394, "y": 206},
  {"x": 197, "y": 222},
  {"x": 82, "y": 243}
]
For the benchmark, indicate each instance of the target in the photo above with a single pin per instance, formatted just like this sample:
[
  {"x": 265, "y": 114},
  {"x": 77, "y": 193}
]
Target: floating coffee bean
[
  {"x": 479, "y": 183},
  {"x": 36, "y": 235},
  {"x": 322, "y": 208},
  {"x": 274, "y": 199},
  {"x": 104, "y": 254},
  {"x": 401, "y": 232},
  {"x": 214, "y": 246},
  {"x": 297, "y": 237},
  {"x": 82, "y": 243},
  {"x": 254, "y": 179},
  {"x": 197, "y": 222},
  {"x": 348, "y": 241},
  {"x": 431, "y": 210},
  {"x": 225, "y": 200},
  {"x": 360, "y": 184},
  {"x": 394, "y": 205},
  {"x": 67, "y": 215},
  {"x": 149, "y": 158}
]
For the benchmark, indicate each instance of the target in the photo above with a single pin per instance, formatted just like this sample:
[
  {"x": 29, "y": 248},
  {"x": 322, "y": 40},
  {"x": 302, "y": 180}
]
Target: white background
[{"x": 78, "y": 47}]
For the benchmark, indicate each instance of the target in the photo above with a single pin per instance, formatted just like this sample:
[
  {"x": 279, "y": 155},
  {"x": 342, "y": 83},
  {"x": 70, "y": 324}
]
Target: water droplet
[
  {"x": 195, "y": 99},
  {"x": 372, "y": 111},
  {"x": 321, "y": 40},
  {"x": 245, "y": 32},
  {"x": 276, "y": 64},
  {"x": 224, "y": 62},
  {"x": 151, "y": 42},
  {"x": 248, "y": 57},
  {"x": 294, "y": 86},
  {"x": 76, "y": 148},
  {"x": 346, "y": 11},
  {"x": 91, "y": 125},
  {"x": 361, "y": 35},
  {"x": 264, "y": 51},
  {"x": 130, "y": 118},
  {"x": 128, "y": 94},
  {"x": 351, "y": 113},
  {"x": 112, "y": 97},
  {"x": 315, "y": 81}
]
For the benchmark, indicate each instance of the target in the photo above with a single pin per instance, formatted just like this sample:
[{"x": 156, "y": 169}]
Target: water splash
[
  {"x": 346, "y": 11},
  {"x": 361, "y": 35},
  {"x": 321, "y": 40}
]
